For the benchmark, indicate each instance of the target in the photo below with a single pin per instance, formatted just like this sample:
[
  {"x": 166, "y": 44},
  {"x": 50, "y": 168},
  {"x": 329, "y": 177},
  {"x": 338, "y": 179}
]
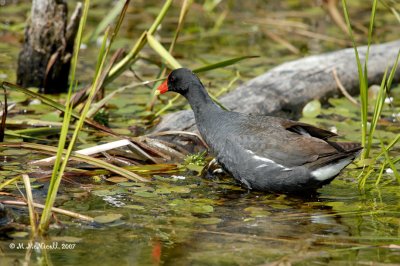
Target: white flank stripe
[
  {"x": 256, "y": 157},
  {"x": 329, "y": 171},
  {"x": 263, "y": 159}
]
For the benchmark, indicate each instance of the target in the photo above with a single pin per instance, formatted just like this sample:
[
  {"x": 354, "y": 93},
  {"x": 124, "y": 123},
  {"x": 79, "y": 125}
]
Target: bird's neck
[
  {"x": 206, "y": 113},
  {"x": 200, "y": 101}
]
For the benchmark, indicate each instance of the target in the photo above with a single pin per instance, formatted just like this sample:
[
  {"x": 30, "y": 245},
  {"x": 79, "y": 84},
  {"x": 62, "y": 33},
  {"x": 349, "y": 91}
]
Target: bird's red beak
[{"x": 163, "y": 88}]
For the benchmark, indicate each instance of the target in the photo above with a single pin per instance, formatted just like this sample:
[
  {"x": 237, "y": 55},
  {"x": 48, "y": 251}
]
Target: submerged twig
[
  {"x": 53, "y": 209},
  {"x": 343, "y": 89}
]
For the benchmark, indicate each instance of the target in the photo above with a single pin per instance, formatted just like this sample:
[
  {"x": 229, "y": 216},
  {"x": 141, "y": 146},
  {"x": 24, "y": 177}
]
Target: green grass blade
[
  {"x": 380, "y": 100},
  {"x": 114, "y": 12},
  {"x": 53, "y": 188},
  {"x": 55, "y": 105},
  {"x": 362, "y": 80},
  {"x": 385, "y": 151},
  {"x": 9, "y": 181},
  {"x": 125, "y": 63},
  {"x": 364, "y": 90},
  {"x": 57, "y": 172},
  {"x": 182, "y": 15},
  {"x": 363, "y": 178},
  {"x": 161, "y": 51},
  {"x": 160, "y": 17},
  {"x": 394, "y": 142},
  {"x": 42, "y": 98},
  {"x": 12, "y": 133},
  {"x": 78, "y": 41},
  {"x": 393, "y": 72},
  {"x": 119, "y": 22},
  {"x": 395, "y": 13},
  {"x": 39, "y": 131},
  {"x": 379, "y": 178},
  {"x": 370, "y": 30},
  {"x": 222, "y": 64}
]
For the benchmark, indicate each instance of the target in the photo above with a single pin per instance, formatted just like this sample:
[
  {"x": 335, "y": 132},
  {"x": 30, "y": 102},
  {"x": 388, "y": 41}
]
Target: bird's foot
[{"x": 213, "y": 170}]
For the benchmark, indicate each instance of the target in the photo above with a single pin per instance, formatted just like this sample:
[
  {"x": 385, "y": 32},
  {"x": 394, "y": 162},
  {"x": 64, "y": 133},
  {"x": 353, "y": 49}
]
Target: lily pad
[
  {"x": 312, "y": 109},
  {"x": 109, "y": 218},
  {"x": 134, "y": 207},
  {"x": 19, "y": 234},
  {"x": 137, "y": 189},
  {"x": 103, "y": 192},
  {"x": 180, "y": 189},
  {"x": 202, "y": 209},
  {"x": 211, "y": 220},
  {"x": 163, "y": 190},
  {"x": 145, "y": 194}
]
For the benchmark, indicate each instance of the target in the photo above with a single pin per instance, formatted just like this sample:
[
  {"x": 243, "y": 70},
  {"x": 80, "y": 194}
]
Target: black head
[{"x": 179, "y": 80}]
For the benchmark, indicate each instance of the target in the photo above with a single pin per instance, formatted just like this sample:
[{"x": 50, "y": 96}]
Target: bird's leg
[{"x": 212, "y": 169}]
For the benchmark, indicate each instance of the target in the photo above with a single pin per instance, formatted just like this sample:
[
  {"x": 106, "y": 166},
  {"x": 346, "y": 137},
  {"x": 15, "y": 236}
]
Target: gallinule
[{"x": 263, "y": 152}]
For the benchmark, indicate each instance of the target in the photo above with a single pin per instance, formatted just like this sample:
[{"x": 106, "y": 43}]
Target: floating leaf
[
  {"x": 145, "y": 194},
  {"x": 104, "y": 192},
  {"x": 211, "y": 220},
  {"x": 19, "y": 234},
  {"x": 134, "y": 207},
  {"x": 143, "y": 188},
  {"x": 109, "y": 218},
  {"x": 312, "y": 109},
  {"x": 202, "y": 209},
  {"x": 163, "y": 190},
  {"x": 180, "y": 189}
]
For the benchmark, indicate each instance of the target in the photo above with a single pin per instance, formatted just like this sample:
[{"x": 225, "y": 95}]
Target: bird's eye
[{"x": 172, "y": 79}]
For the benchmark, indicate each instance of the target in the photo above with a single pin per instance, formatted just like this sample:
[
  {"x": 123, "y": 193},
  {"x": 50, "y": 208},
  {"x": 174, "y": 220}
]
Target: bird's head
[{"x": 179, "y": 80}]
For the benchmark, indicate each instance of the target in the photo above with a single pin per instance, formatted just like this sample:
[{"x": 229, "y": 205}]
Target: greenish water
[{"x": 183, "y": 219}]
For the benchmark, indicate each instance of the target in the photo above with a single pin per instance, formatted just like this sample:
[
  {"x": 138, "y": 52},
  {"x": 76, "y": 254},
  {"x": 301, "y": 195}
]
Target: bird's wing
[
  {"x": 286, "y": 142},
  {"x": 306, "y": 129}
]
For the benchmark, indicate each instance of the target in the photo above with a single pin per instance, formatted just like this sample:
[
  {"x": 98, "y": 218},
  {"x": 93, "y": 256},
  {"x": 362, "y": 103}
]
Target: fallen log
[{"x": 285, "y": 89}]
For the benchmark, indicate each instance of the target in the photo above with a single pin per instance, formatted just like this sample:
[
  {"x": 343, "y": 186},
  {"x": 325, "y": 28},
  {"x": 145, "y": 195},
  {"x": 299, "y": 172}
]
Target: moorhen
[{"x": 264, "y": 153}]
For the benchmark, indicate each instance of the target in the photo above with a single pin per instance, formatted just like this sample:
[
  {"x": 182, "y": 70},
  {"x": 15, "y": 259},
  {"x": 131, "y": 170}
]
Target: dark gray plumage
[{"x": 263, "y": 152}]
